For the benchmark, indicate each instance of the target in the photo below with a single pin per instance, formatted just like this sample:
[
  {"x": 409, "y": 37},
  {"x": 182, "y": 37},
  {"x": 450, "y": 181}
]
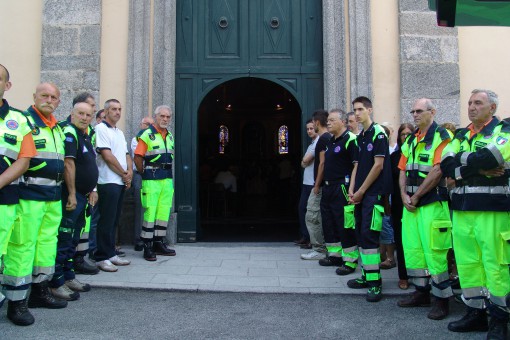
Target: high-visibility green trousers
[
  {"x": 7, "y": 217},
  {"x": 32, "y": 248},
  {"x": 482, "y": 252},
  {"x": 426, "y": 238},
  {"x": 157, "y": 198}
]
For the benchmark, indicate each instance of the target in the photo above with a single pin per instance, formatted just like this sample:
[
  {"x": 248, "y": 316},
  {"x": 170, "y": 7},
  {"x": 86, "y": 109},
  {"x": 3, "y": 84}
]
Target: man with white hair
[{"x": 153, "y": 159}]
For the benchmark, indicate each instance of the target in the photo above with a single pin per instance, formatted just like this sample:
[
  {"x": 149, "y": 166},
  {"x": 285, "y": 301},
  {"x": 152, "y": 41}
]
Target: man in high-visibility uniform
[
  {"x": 372, "y": 182},
  {"x": 16, "y": 149},
  {"x": 477, "y": 159},
  {"x": 341, "y": 153},
  {"x": 426, "y": 231},
  {"x": 30, "y": 256},
  {"x": 80, "y": 179},
  {"x": 153, "y": 159}
]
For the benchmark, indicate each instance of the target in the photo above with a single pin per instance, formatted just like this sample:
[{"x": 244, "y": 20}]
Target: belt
[
  {"x": 335, "y": 181},
  {"x": 163, "y": 166}
]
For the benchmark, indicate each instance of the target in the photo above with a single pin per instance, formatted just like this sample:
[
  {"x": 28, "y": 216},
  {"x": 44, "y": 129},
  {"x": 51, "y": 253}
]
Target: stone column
[
  {"x": 333, "y": 53},
  {"x": 138, "y": 65},
  {"x": 428, "y": 62},
  {"x": 71, "y": 44}
]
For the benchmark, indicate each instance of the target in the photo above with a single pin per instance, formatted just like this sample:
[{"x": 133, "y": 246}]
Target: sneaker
[
  {"x": 374, "y": 294},
  {"x": 344, "y": 270},
  {"x": 65, "y": 293},
  {"x": 119, "y": 252},
  {"x": 77, "y": 286},
  {"x": 313, "y": 255},
  {"x": 116, "y": 260},
  {"x": 359, "y": 283},
  {"x": 106, "y": 266}
]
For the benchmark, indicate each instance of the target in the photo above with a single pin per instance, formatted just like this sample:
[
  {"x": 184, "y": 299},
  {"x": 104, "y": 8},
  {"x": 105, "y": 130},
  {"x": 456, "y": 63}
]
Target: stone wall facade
[
  {"x": 429, "y": 64},
  {"x": 71, "y": 46}
]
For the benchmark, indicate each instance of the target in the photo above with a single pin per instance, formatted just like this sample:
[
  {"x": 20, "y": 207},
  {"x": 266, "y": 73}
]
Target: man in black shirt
[
  {"x": 340, "y": 155},
  {"x": 313, "y": 217},
  {"x": 372, "y": 182},
  {"x": 80, "y": 179}
]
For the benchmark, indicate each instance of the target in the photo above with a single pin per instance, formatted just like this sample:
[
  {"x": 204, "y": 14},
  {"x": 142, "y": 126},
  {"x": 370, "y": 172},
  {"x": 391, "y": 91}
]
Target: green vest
[
  {"x": 14, "y": 127},
  {"x": 159, "y": 156},
  {"x": 42, "y": 181},
  {"x": 420, "y": 161}
]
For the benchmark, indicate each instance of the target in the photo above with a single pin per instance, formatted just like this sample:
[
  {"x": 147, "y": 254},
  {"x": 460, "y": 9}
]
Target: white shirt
[
  {"x": 108, "y": 137},
  {"x": 228, "y": 180},
  {"x": 134, "y": 144},
  {"x": 308, "y": 173}
]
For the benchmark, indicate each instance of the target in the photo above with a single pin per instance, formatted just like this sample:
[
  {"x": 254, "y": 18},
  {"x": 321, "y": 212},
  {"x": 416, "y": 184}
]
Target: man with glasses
[{"x": 426, "y": 232}]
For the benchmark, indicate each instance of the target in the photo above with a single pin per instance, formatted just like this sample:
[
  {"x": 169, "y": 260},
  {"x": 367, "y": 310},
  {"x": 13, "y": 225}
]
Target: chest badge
[
  {"x": 428, "y": 147},
  {"x": 11, "y": 124},
  {"x": 36, "y": 131},
  {"x": 370, "y": 147},
  {"x": 337, "y": 149},
  {"x": 152, "y": 137}
]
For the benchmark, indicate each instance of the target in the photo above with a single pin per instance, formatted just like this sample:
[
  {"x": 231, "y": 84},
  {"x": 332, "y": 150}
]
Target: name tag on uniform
[{"x": 424, "y": 157}]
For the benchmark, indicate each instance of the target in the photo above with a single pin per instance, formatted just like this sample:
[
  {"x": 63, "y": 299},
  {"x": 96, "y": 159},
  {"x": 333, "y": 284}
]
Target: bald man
[{"x": 30, "y": 256}]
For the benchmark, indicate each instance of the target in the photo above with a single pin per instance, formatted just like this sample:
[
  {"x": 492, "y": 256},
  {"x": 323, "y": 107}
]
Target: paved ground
[
  {"x": 233, "y": 267},
  {"x": 147, "y": 314}
]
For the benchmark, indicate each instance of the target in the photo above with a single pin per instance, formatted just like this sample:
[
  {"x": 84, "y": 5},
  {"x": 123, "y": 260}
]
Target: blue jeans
[
  {"x": 303, "y": 200},
  {"x": 110, "y": 207},
  {"x": 68, "y": 237},
  {"x": 387, "y": 231}
]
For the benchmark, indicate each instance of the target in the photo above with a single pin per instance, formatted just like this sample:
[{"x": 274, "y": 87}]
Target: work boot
[
  {"x": 40, "y": 296},
  {"x": 415, "y": 299},
  {"x": 77, "y": 286},
  {"x": 148, "y": 253},
  {"x": 374, "y": 294},
  {"x": 440, "y": 309},
  {"x": 331, "y": 261},
  {"x": 475, "y": 320},
  {"x": 161, "y": 248},
  {"x": 18, "y": 313},
  {"x": 359, "y": 283},
  {"x": 65, "y": 293},
  {"x": 498, "y": 329},
  {"x": 139, "y": 246},
  {"x": 344, "y": 270},
  {"x": 81, "y": 266}
]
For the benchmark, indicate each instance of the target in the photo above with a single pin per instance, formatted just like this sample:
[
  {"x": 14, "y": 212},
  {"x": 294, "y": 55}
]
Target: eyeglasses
[{"x": 418, "y": 111}]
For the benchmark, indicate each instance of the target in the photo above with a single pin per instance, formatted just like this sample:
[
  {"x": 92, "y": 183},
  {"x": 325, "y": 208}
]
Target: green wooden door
[{"x": 220, "y": 40}]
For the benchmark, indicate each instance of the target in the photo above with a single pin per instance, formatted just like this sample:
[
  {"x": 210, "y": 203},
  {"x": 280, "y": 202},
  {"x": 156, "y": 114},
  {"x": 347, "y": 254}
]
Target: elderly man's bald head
[{"x": 46, "y": 98}]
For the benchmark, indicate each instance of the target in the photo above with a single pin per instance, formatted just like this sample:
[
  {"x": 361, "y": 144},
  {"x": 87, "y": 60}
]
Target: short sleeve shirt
[
  {"x": 319, "y": 147},
  {"x": 308, "y": 172},
  {"x": 111, "y": 138},
  {"x": 81, "y": 149},
  {"x": 374, "y": 143},
  {"x": 340, "y": 155}
]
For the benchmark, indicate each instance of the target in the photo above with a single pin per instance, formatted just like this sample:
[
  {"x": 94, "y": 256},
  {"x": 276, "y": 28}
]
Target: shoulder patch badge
[
  {"x": 501, "y": 141},
  {"x": 381, "y": 136},
  {"x": 11, "y": 124}
]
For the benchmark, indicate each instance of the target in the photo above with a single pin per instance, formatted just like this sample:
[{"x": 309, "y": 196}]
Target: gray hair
[
  {"x": 491, "y": 95},
  {"x": 344, "y": 117},
  {"x": 158, "y": 109}
]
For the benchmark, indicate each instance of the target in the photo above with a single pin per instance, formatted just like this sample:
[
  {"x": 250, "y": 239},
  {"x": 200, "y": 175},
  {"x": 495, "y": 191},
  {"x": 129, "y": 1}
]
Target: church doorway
[{"x": 249, "y": 151}]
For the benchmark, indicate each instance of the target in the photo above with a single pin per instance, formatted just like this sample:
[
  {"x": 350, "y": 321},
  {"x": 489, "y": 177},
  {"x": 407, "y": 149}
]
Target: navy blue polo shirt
[
  {"x": 322, "y": 142},
  {"x": 374, "y": 143},
  {"x": 340, "y": 155},
  {"x": 84, "y": 159}
]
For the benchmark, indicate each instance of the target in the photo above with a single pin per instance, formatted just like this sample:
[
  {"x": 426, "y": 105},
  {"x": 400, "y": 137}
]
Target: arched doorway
[{"x": 249, "y": 139}]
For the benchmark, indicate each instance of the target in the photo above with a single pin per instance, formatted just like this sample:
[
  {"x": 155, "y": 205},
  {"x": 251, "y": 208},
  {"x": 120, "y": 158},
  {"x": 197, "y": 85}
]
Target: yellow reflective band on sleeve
[{"x": 7, "y": 161}]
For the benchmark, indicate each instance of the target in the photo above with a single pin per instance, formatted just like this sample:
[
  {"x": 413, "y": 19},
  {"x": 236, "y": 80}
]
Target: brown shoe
[
  {"x": 306, "y": 246},
  {"x": 440, "y": 309},
  {"x": 300, "y": 241},
  {"x": 388, "y": 264},
  {"x": 415, "y": 299}
]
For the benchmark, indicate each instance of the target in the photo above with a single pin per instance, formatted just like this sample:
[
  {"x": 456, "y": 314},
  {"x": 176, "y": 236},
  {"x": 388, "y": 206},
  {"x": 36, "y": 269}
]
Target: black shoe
[
  {"x": 160, "y": 248},
  {"x": 40, "y": 296},
  {"x": 440, "y": 309},
  {"x": 119, "y": 252},
  {"x": 139, "y": 246},
  {"x": 331, "y": 261},
  {"x": 415, "y": 299},
  {"x": 374, "y": 294},
  {"x": 344, "y": 270},
  {"x": 18, "y": 313},
  {"x": 475, "y": 320},
  {"x": 83, "y": 267},
  {"x": 148, "y": 253},
  {"x": 359, "y": 283},
  {"x": 306, "y": 246},
  {"x": 498, "y": 329}
]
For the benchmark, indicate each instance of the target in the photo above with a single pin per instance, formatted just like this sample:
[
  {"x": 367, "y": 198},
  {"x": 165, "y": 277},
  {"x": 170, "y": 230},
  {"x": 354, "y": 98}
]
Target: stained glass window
[
  {"x": 223, "y": 139},
  {"x": 283, "y": 140}
]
